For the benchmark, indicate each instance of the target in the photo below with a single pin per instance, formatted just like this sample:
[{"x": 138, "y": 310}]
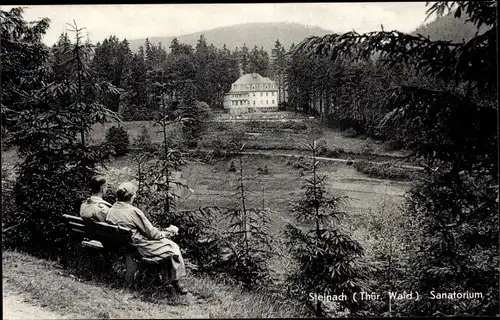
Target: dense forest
[{"x": 211, "y": 69}]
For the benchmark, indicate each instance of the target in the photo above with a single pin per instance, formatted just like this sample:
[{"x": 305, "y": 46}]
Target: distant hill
[
  {"x": 251, "y": 34},
  {"x": 449, "y": 28}
]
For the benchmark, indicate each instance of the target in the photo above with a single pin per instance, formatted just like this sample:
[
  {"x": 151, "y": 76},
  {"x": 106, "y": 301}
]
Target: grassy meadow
[{"x": 267, "y": 135}]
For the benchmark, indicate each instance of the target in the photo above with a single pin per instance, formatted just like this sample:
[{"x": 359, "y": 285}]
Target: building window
[
  {"x": 272, "y": 93},
  {"x": 273, "y": 101},
  {"x": 261, "y": 102},
  {"x": 265, "y": 86},
  {"x": 261, "y": 94},
  {"x": 261, "y": 86},
  {"x": 267, "y": 101},
  {"x": 254, "y": 102},
  {"x": 267, "y": 93},
  {"x": 248, "y": 86},
  {"x": 253, "y": 86},
  {"x": 254, "y": 94}
]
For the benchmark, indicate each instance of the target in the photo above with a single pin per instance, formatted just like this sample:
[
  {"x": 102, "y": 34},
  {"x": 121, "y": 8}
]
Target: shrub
[
  {"x": 218, "y": 148},
  {"x": 349, "y": 133},
  {"x": 385, "y": 171},
  {"x": 143, "y": 141},
  {"x": 218, "y": 126},
  {"x": 299, "y": 163},
  {"x": 9, "y": 207},
  {"x": 264, "y": 170},
  {"x": 4, "y": 141},
  {"x": 367, "y": 150},
  {"x": 197, "y": 236},
  {"x": 330, "y": 153},
  {"x": 118, "y": 139},
  {"x": 322, "y": 144},
  {"x": 294, "y": 125}
]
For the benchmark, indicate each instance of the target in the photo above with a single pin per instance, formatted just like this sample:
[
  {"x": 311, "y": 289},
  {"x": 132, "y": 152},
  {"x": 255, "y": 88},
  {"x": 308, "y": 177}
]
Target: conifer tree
[
  {"x": 326, "y": 256},
  {"x": 248, "y": 240},
  {"x": 52, "y": 121}
]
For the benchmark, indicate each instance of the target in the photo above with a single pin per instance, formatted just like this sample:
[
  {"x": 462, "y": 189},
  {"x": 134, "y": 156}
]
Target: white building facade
[{"x": 252, "y": 93}]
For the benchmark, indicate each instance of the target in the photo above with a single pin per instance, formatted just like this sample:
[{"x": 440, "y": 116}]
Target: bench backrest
[{"x": 107, "y": 234}]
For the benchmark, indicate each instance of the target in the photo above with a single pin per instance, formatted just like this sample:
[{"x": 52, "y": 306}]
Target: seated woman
[
  {"x": 95, "y": 208},
  {"x": 149, "y": 241}
]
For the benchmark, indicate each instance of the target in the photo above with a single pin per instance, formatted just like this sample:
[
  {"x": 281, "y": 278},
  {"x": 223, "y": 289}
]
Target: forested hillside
[
  {"x": 259, "y": 34},
  {"x": 449, "y": 28}
]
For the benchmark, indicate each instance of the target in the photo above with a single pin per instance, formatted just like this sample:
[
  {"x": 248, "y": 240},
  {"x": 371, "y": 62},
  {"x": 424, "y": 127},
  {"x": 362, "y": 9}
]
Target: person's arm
[
  {"x": 146, "y": 227},
  {"x": 102, "y": 213}
]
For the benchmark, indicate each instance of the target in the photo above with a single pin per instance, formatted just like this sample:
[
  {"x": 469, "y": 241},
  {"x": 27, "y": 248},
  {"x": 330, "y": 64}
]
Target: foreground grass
[{"x": 47, "y": 284}]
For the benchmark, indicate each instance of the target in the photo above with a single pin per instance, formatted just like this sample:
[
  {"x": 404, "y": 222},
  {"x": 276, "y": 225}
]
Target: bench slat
[
  {"x": 76, "y": 225},
  {"x": 93, "y": 244},
  {"x": 73, "y": 218},
  {"x": 111, "y": 232},
  {"x": 117, "y": 228}
]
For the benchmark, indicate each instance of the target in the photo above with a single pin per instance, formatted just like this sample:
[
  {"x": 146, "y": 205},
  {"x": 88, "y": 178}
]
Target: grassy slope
[
  {"x": 268, "y": 138},
  {"x": 46, "y": 284}
]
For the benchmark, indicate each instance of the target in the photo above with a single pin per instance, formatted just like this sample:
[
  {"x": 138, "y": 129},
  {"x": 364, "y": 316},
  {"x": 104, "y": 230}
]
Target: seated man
[
  {"x": 95, "y": 208},
  {"x": 149, "y": 241}
]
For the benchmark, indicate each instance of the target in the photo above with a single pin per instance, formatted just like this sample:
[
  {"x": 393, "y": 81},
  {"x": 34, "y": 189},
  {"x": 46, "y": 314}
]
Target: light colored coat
[
  {"x": 149, "y": 241},
  {"x": 95, "y": 209}
]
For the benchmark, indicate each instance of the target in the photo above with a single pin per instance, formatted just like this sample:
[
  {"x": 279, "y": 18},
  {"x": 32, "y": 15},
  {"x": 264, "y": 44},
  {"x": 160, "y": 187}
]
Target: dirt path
[{"x": 15, "y": 307}]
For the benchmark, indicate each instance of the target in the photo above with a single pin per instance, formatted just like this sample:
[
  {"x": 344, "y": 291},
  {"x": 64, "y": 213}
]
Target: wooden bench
[{"x": 111, "y": 238}]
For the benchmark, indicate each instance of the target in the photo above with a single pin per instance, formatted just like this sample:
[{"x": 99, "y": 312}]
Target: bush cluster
[
  {"x": 258, "y": 126},
  {"x": 118, "y": 139},
  {"x": 299, "y": 163},
  {"x": 385, "y": 171}
]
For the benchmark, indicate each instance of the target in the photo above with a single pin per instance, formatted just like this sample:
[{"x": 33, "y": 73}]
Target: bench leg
[{"x": 132, "y": 267}]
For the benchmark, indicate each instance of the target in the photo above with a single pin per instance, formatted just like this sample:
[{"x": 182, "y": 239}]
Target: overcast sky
[{"x": 141, "y": 21}]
